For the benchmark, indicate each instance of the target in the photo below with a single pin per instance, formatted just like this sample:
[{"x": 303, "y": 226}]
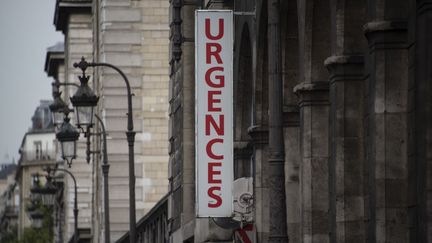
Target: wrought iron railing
[
  {"x": 153, "y": 227},
  {"x": 43, "y": 155}
]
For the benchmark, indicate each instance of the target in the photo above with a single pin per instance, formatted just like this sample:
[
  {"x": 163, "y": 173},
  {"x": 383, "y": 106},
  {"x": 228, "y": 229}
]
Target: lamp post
[
  {"x": 67, "y": 135},
  {"x": 130, "y": 134},
  {"x": 46, "y": 193},
  {"x": 84, "y": 100},
  {"x": 75, "y": 209},
  {"x": 58, "y": 106},
  {"x": 105, "y": 170}
]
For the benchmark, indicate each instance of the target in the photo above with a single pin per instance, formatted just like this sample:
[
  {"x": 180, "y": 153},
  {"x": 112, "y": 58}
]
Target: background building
[
  {"x": 38, "y": 149},
  {"x": 9, "y": 201}
]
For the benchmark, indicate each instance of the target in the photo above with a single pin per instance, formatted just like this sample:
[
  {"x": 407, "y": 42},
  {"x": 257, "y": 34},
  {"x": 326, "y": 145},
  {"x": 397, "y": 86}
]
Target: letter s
[{"x": 212, "y": 195}]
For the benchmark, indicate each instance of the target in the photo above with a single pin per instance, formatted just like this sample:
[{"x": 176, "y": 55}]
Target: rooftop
[{"x": 7, "y": 169}]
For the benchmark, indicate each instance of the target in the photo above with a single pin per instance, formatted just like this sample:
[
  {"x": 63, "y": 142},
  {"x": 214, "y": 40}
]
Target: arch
[
  {"x": 243, "y": 87},
  {"x": 314, "y": 39},
  {"x": 261, "y": 80},
  {"x": 243, "y": 118}
]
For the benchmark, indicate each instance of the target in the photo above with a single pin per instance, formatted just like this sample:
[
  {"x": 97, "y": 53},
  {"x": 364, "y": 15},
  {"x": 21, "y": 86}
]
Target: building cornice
[
  {"x": 52, "y": 61},
  {"x": 66, "y": 7}
]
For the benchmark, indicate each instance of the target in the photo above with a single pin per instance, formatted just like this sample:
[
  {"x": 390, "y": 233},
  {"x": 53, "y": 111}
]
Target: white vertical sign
[{"x": 214, "y": 112}]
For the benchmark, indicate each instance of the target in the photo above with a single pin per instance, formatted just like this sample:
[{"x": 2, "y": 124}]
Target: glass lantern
[
  {"x": 84, "y": 101},
  {"x": 67, "y": 136},
  {"x": 58, "y": 106}
]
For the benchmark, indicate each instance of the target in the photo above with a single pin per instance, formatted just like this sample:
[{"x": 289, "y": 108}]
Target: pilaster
[
  {"x": 314, "y": 168},
  {"x": 346, "y": 147},
  {"x": 388, "y": 133},
  {"x": 291, "y": 124},
  {"x": 423, "y": 122},
  {"x": 78, "y": 43},
  {"x": 259, "y": 139},
  {"x": 182, "y": 121}
]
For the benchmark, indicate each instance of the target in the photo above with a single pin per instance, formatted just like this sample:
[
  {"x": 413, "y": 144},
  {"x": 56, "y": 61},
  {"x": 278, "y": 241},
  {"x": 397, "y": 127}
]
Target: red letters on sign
[
  {"x": 209, "y": 120},
  {"x": 208, "y": 30},
  {"x": 212, "y": 172},
  {"x": 213, "y": 49},
  {"x": 221, "y": 78},
  {"x": 211, "y": 194},
  {"x": 212, "y": 100},
  {"x": 214, "y": 117},
  {"x": 209, "y": 149}
]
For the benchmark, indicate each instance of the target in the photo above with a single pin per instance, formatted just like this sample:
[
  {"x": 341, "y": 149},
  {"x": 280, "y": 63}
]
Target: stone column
[
  {"x": 347, "y": 83},
  {"x": 423, "y": 121},
  {"x": 313, "y": 91},
  {"x": 346, "y": 147},
  {"x": 292, "y": 167},
  {"x": 259, "y": 136},
  {"x": 291, "y": 122},
  {"x": 182, "y": 121},
  {"x": 314, "y": 168},
  {"x": 74, "y": 19},
  {"x": 387, "y": 123}
]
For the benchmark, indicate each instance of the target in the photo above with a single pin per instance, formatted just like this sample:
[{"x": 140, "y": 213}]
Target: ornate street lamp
[
  {"x": 84, "y": 101},
  {"x": 36, "y": 217},
  {"x": 105, "y": 169},
  {"x": 35, "y": 197},
  {"x": 75, "y": 209},
  {"x": 45, "y": 194},
  {"x": 68, "y": 135},
  {"x": 57, "y": 108},
  {"x": 130, "y": 134}
]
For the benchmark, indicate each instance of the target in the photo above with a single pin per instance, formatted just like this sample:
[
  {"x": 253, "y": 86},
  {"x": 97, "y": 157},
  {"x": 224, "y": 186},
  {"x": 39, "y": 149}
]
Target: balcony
[{"x": 49, "y": 155}]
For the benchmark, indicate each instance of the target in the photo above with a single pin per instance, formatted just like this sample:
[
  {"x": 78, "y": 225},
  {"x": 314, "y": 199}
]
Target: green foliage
[
  {"x": 40, "y": 235},
  {"x": 32, "y": 235},
  {"x": 10, "y": 236}
]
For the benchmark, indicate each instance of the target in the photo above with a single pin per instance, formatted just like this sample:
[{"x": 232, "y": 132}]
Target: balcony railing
[
  {"x": 11, "y": 211},
  {"x": 153, "y": 227},
  {"x": 39, "y": 155}
]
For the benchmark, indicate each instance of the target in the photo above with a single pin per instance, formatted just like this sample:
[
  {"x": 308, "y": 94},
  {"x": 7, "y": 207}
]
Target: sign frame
[{"x": 204, "y": 172}]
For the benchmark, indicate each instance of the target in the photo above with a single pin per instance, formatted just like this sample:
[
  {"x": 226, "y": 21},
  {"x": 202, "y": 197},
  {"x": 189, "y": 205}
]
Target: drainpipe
[{"x": 278, "y": 224}]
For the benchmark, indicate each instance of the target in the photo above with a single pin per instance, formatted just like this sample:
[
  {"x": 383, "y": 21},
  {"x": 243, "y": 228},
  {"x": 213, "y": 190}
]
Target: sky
[{"x": 26, "y": 31}]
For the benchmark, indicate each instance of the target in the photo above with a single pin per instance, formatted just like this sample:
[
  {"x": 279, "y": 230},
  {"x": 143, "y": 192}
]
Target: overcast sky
[{"x": 26, "y": 30}]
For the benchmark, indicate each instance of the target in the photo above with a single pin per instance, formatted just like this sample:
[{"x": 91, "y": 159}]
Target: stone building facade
[
  {"x": 9, "y": 201},
  {"x": 38, "y": 149},
  {"x": 133, "y": 35},
  {"x": 337, "y": 95}
]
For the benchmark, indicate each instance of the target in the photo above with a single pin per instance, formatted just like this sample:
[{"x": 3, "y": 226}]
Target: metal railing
[
  {"x": 39, "y": 155},
  {"x": 153, "y": 227}
]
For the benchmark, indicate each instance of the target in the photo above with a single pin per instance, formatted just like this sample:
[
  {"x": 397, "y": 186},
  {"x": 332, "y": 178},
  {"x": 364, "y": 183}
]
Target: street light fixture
[
  {"x": 75, "y": 209},
  {"x": 59, "y": 106},
  {"x": 37, "y": 218},
  {"x": 84, "y": 101},
  {"x": 130, "y": 133},
  {"x": 105, "y": 169},
  {"x": 46, "y": 193},
  {"x": 68, "y": 135}
]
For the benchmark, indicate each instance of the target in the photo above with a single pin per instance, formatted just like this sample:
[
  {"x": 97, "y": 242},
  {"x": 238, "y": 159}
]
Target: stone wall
[
  {"x": 133, "y": 35},
  {"x": 78, "y": 43},
  {"x": 356, "y": 118}
]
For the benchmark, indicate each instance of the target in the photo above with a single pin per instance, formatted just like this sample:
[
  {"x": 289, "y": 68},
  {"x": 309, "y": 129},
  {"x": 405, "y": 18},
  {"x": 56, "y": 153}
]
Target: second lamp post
[{"x": 84, "y": 101}]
